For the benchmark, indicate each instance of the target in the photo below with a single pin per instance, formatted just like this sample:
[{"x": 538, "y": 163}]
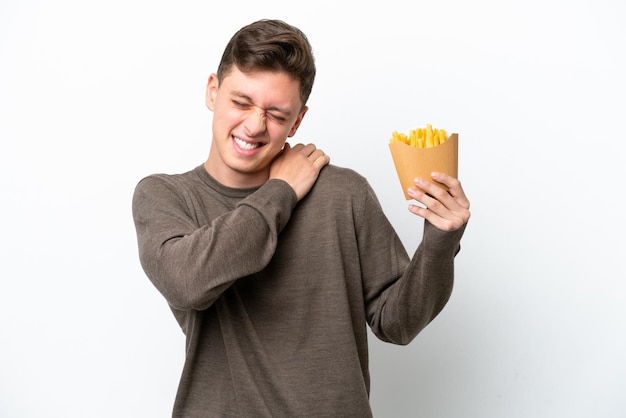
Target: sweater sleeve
[
  {"x": 190, "y": 261},
  {"x": 404, "y": 295}
]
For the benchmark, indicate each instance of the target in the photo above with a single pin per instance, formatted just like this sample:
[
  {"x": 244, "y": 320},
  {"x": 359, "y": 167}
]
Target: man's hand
[
  {"x": 299, "y": 167},
  {"x": 447, "y": 210}
]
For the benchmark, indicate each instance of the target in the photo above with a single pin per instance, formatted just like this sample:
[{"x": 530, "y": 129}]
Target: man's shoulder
[
  {"x": 164, "y": 177},
  {"x": 334, "y": 173},
  {"x": 336, "y": 182},
  {"x": 166, "y": 182}
]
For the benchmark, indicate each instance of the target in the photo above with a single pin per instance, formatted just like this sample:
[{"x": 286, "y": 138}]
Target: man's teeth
[{"x": 246, "y": 145}]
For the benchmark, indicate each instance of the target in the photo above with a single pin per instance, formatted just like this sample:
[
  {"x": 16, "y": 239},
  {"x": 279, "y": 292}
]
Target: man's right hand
[{"x": 299, "y": 166}]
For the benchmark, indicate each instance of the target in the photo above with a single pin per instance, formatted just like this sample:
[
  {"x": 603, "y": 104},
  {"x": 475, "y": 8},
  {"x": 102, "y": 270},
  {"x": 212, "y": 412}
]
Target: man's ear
[
  {"x": 296, "y": 125},
  {"x": 211, "y": 91}
]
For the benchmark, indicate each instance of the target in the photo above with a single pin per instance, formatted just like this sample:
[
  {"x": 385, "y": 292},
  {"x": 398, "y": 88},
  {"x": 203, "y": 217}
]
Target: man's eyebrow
[{"x": 244, "y": 96}]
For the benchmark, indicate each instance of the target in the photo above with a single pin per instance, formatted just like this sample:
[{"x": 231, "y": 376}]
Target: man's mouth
[{"x": 246, "y": 145}]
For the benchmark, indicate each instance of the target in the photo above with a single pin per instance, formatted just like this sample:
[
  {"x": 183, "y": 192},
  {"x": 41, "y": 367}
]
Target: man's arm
[
  {"x": 401, "y": 308},
  {"x": 192, "y": 260}
]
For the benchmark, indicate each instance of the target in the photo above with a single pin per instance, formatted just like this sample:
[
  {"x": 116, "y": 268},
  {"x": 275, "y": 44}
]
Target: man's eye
[
  {"x": 241, "y": 105},
  {"x": 277, "y": 118}
]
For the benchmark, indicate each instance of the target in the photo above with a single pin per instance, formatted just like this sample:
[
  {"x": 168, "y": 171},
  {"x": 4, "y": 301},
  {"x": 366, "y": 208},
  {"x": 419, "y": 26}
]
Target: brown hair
[{"x": 271, "y": 45}]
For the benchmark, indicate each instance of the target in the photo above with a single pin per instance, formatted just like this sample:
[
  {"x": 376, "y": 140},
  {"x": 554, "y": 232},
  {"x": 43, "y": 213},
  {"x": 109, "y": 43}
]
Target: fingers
[
  {"x": 299, "y": 166},
  {"x": 319, "y": 158},
  {"x": 446, "y": 209},
  {"x": 454, "y": 187},
  {"x": 316, "y": 156}
]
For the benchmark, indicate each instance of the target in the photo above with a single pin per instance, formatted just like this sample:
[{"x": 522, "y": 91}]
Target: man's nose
[{"x": 255, "y": 122}]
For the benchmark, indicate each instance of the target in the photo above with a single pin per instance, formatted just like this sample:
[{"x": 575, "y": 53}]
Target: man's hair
[{"x": 271, "y": 45}]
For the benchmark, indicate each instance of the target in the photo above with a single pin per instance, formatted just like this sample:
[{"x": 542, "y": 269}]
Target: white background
[{"x": 95, "y": 95}]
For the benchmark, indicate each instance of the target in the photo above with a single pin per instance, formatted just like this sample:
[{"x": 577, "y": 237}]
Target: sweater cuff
[{"x": 438, "y": 241}]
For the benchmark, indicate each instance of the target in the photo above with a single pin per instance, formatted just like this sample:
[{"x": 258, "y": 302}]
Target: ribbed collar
[{"x": 210, "y": 181}]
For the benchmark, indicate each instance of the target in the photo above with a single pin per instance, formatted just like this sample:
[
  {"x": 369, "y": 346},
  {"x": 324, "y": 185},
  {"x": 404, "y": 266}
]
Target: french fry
[{"x": 421, "y": 137}]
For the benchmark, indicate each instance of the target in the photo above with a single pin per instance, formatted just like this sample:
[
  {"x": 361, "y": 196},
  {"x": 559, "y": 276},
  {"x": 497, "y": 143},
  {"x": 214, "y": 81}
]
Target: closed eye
[
  {"x": 240, "y": 104},
  {"x": 277, "y": 118}
]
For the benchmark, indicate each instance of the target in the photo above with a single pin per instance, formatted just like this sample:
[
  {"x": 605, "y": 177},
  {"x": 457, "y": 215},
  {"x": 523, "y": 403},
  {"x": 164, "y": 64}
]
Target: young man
[{"x": 274, "y": 261}]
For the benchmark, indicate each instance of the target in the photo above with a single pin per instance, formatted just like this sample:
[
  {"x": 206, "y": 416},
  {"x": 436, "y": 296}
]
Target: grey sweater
[{"x": 274, "y": 295}]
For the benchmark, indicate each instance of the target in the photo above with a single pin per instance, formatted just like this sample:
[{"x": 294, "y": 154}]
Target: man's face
[{"x": 253, "y": 115}]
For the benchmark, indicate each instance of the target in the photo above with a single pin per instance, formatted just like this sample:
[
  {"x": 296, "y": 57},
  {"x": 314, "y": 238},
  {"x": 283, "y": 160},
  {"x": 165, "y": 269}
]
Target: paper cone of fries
[{"x": 412, "y": 162}]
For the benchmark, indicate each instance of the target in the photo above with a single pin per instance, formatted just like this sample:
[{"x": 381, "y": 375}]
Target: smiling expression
[{"x": 253, "y": 115}]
